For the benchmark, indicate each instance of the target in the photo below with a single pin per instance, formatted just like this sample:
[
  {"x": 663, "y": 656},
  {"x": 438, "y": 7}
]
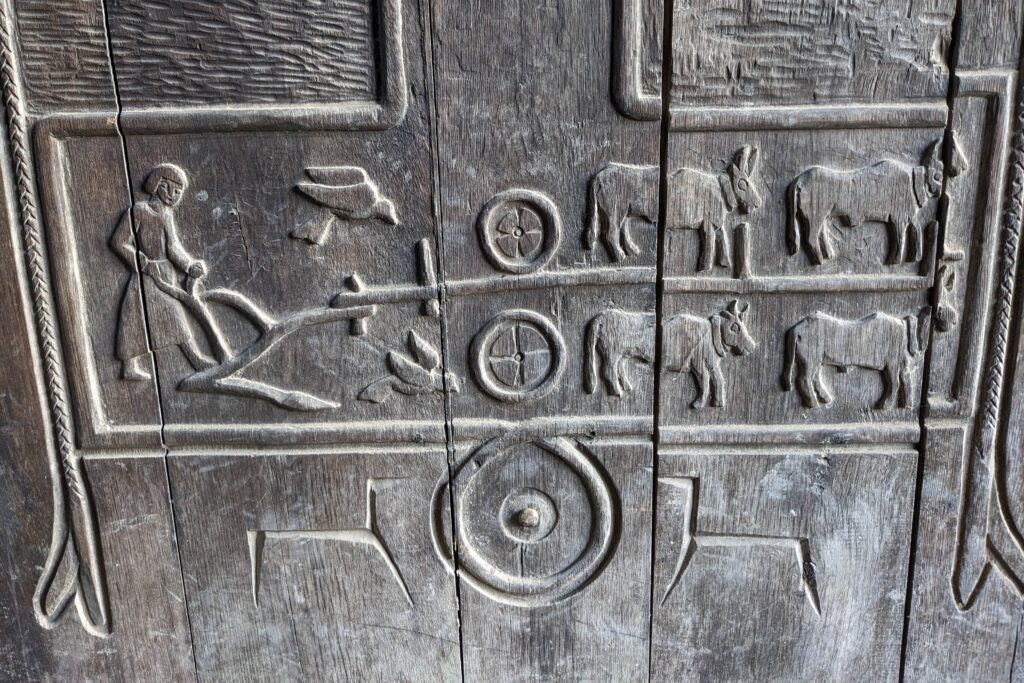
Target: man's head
[{"x": 166, "y": 182}]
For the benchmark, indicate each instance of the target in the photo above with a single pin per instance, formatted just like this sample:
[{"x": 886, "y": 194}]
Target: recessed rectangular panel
[
  {"x": 790, "y": 562},
  {"x": 315, "y": 564}
]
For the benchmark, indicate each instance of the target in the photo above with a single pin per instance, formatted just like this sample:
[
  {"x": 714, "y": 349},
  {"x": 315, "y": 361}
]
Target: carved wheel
[
  {"x": 519, "y": 231},
  {"x": 519, "y": 355},
  {"x": 536, "y": 519}
]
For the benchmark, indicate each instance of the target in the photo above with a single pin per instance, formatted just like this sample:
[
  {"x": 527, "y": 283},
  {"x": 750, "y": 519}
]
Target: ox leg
[
  {"x": 917, "y": 241},
  {"x": 825, "y": 241},
  {"x": 700, "y": 377},
  {"x": 908, "y": 388},
  {"x": 707, "y": 246},
  {"x": 629, "y": 246},
  {"x": 805, "y": 385},
  {"x": 609, "y": 370},
  {"x": 622, "y": 370},
  {"x": 717, "y": 381},
  {"x": 723, "y": 247},
  {"x": 813, "y": 240},
  {"x": 890, "y": 378},
  {"x": 897, "y": 242},
  {"x": 612, "y": 227},
  {"x": 821, "y": 390}
]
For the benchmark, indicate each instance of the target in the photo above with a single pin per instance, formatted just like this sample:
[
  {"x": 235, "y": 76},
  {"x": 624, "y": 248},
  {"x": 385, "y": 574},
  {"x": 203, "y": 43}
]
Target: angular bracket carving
[
  {"x": 368, "y": 535},
  {"x": 694, "y": 540}
]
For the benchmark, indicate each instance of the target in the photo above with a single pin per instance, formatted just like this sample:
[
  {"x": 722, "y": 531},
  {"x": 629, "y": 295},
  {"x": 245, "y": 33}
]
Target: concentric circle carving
[
  {"x": 519, "y": 355},
  {"x": 536, "y": 518},
  {"x": 519, "y": 230}
]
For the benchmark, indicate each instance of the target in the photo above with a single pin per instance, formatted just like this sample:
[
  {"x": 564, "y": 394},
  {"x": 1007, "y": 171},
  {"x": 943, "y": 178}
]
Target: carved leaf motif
[
  {"x": 376, "y": 392},
  {"x": 423, "y": 352},
  {"x": 407, "y": 371}
]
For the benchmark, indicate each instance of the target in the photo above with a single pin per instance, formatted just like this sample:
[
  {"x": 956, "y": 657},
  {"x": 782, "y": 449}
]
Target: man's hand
[
  {"x": 146, "y": 266},
  {"x": 197, "y": 269}
]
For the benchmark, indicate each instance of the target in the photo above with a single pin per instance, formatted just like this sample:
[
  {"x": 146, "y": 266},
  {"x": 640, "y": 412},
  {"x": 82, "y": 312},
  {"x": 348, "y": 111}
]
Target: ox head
[
  {"x": 928, "y": 178},
  {"x": 736, "y": 338},
  {"x": 738, "y": 185}
]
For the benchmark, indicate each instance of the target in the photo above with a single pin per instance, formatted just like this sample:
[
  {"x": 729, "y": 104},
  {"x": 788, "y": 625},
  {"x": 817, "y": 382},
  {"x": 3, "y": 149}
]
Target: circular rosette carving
[
  {"x": 518, "y": 355},
  {"x": 519, "y": 230},
  {"x": 537, "y": 519}
]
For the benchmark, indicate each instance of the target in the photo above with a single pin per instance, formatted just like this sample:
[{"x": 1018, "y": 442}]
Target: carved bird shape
[{"x": 346, "y": 193}]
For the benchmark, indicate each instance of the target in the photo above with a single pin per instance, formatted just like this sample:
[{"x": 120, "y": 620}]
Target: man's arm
[
  {"x": 179, "y": 256},
  {"x": 123, "y": 241}
]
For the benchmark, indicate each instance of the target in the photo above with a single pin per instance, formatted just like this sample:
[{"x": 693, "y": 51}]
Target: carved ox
[
  {"x": 614, "y": 338},
  {"x": 889, "y": 192},
  {"x": 879, "y": 341},
  {"x": 618, "y": 193},
  {"x": 698, "y": 345},
  {"x": 703, "y": 201}
]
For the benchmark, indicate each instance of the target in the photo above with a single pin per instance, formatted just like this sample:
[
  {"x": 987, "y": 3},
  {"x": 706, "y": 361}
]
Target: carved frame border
[
  {"x": 386, "y": 112},
  {"x": 637, "y": 103}
]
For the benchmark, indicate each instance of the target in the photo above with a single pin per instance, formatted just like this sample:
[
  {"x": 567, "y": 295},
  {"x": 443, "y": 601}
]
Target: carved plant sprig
[{"x": 414, "y": 374}]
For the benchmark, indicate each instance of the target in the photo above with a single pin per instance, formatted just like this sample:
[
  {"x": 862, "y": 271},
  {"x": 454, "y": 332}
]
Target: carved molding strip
[
  {"x": 73, "y": 562},
  {"x": 984, "y": 471}
]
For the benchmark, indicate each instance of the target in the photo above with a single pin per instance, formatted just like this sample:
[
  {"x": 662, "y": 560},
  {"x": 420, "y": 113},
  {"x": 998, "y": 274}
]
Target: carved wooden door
[{"x": 452, "y": 340}]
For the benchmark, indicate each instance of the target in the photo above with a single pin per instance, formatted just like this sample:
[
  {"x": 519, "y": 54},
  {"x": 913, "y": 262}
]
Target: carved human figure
[
  {"x": 703, "y": 201},
  {"x": 879, "y": 341},
  {"x": 613, "y": 339},
  {"x": 147, "y": 241},
  {"x": 698, "y": 345},
  {"x": 887, "y": 191}
]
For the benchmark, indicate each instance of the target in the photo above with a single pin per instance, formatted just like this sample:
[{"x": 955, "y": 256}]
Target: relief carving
[
  {"x": 178, "y": 307},
  {"x": 693, "y": 540},
  {"x": 617, "y": 195},
  {"x": 947, "y": 315},
  {"x": 415, "y": 374},
  {"x": 620, "y": 194},
  {"x": 613, "y": 340},
  {"x": 519, "y": 230},
  {"x": 72, "y": 573},
  {"x": 536, "y": 519},
  {"x": 698, "y": 346},
  {"x": 344, "y": 193},
  {"x": 703, "y": 201},
  {"x": 519, "y": 355},
  {"x": 890, "y": 192},
  {"x": 892, "y": 346},
  {"x": 368, "y": 535}
]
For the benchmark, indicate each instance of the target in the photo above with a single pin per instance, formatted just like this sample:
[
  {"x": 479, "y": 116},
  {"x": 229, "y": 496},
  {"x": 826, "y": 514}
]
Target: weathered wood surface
[
  {"x": 512, "y": 156},
  {"x": 403, "y": 340}
]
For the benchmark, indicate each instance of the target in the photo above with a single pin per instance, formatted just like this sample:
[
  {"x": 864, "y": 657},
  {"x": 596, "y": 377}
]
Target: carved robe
[{"x": 165, "y": 264}]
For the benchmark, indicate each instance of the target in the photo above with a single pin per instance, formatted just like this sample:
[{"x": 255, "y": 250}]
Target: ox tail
[
  {"x": 789, "y": 371},
  {"x": 792, "y": 219},
  {"x": 594, "y": 212},
  {"x": 590, "y": 347}
]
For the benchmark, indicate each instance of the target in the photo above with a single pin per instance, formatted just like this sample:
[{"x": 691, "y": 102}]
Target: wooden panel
[
  {"x": 781, "y": 563},
  {"x": 262, "y": 52},
  {"x": 802, "y": 242},
  {"x": 965, "y": 612},
  {"x": 65, "y": 64},
  {"x": 130, "y": 497},
  {"x": 548, "y": 200},
  {"x": 799, "y": 52},
  {"x": 316, "y": 565},
  {"x": 942, "y": 642}
]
